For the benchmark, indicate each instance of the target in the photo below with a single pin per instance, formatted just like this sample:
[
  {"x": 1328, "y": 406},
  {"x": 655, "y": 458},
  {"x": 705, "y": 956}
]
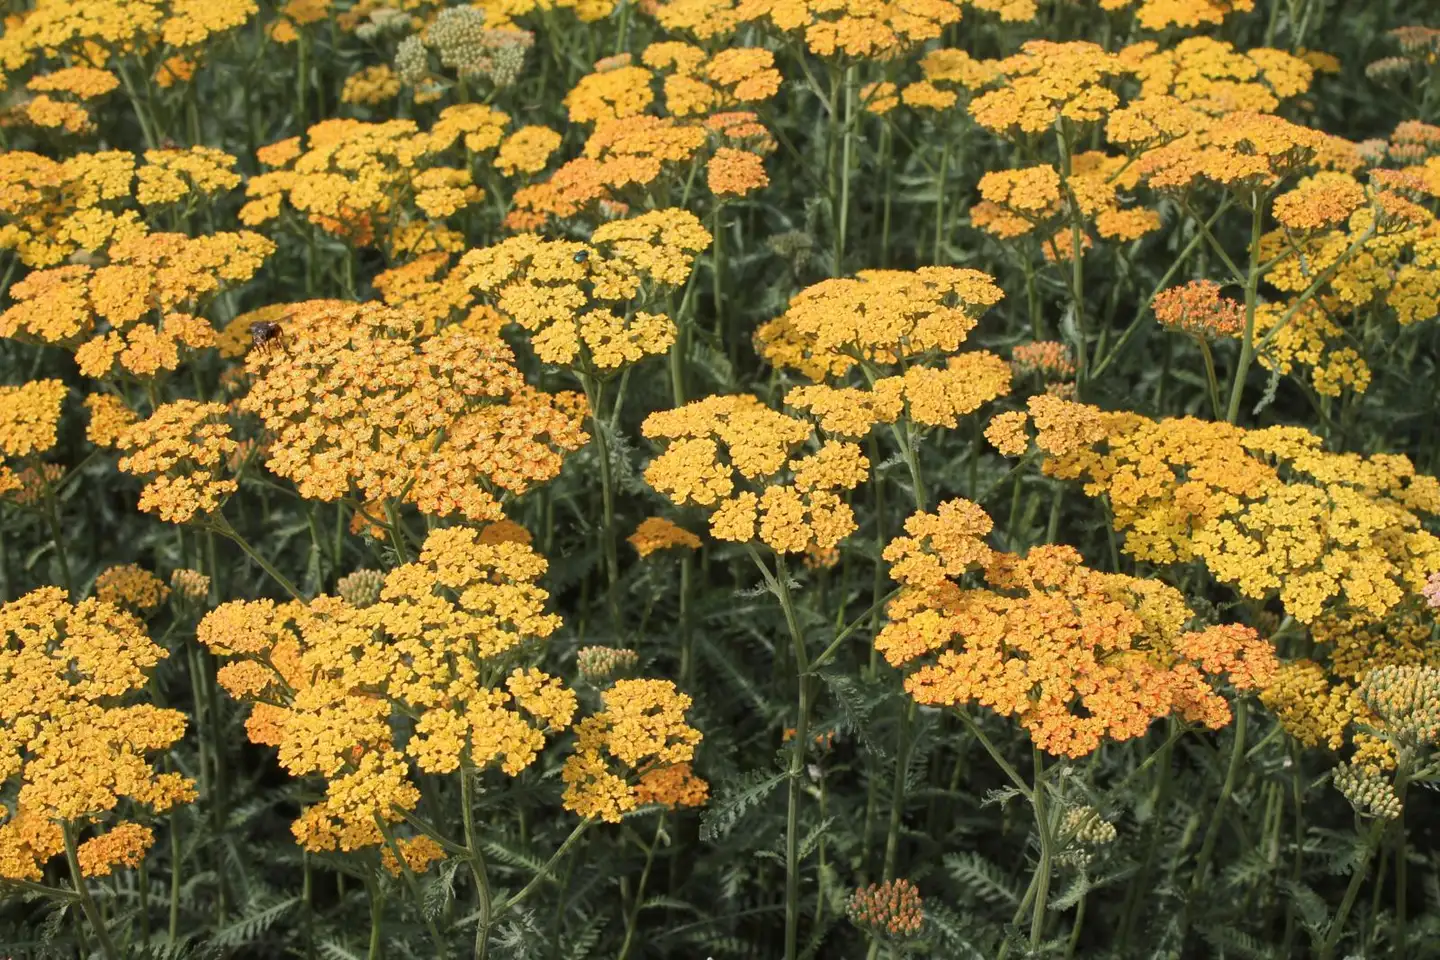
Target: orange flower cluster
[
  {"x": 720, "y": 444},
  {"x": 579, "y": 300},
  {"x": 360, "y": 400},
  {"x": 1077, "y": 656},
  {"x": 70, "y": 748},
  {"x": 656, "y": 533},
  {"x": 622, "y": 751},
  {"x": 1196, "y": 308},
  {"x": 445, "y": 645},
  {"x": 1267, "y": 511}
]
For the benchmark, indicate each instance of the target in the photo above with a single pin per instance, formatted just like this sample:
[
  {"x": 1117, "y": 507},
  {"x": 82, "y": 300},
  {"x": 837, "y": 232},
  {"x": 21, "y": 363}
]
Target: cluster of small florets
[{"x": 892, "y": 909}]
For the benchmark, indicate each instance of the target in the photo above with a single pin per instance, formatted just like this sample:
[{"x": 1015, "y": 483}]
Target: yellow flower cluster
[
  {"x": 1017, "y": 202},
  {"x": 95, "y": 31},
  {"x": 640, "y": 732},
  {"x": 1268, "y": 511},
  {"x": 130, "y": 586},
  {"x": 29, "y": 416},
  {"x": 1077, "y": 656},
  {"x": 877, "y": 317},
  {"x": 859, "y": 29},
  {"x": 182, "y": 449},
  {"x": 630, "y": 149},
  {"x": 102, "y": 311},
  {"x": 361, "y": 400},
  {"x": 577, "y": 300},
  {"x": 722, "y": 443},
  {"x": 70, "y": 749},
  {"x": 382, "y": 183},
  {"x": 445, "y": 645}
]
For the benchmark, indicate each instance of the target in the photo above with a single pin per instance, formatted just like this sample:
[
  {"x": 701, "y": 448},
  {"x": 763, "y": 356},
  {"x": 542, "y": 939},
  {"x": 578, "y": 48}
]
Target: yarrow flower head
[
  {"x": 891, "y": 910},
  {"x": 71, "y": 747},
  {"x": 1197, "y": 308},
  {"x": 640, "y": 731},
  {"x": 361, "y": 399},
  {"x": 568, "y": 295},
  {"x": 879, "y": 317},
  {"x": 131, "y": 586},
  {"x": 656, "y": 533},
  {"x": 446, "y": 644},
  {"x": 181, "y": 450},
  {"x": 1076, "y": 656},
  {"x": 723, "y": 446}
]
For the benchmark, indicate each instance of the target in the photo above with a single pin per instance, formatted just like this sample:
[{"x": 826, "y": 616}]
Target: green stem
[
  {"x": 82, "y": 890},
  {"x": 779, "y": 584},
  {"x": 535, "y": 881},
  {"x": 1047, "y": 843},
  {"x": 1352, "y": 891},
  {"x": 377, "y": 913},
  {"x": 633, "y": 914},
  {"x": 1252, "y": 303},
  {"x": 57, "y": 534},
  {"x": 477, "y": 864},
  {"x": 1212, "y": 831},
  {"x": 1010, "y": 772},
  {"x": 1211, "y": 380},
  {"x": 222, "y": 526},
  {"x": 847, "y": 150},
  {"x": 607, "y": 492}
]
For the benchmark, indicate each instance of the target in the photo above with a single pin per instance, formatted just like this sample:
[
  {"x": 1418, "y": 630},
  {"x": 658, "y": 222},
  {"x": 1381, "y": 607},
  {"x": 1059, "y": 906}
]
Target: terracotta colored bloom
[
  {"x": 1197, "y": 308},
  {"x": 1077, "y": 656},
  {"x": 892, "y": 909},
  {"x": 361, "y": 400},
  {"x": 657, "y": 533},
  {"x": 735, "y": 172}
]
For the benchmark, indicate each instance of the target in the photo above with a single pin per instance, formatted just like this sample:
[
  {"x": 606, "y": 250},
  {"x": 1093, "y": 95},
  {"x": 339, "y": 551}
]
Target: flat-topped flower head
[
  {"x": 641, "y": 731},
  {"x": 361, "y": 399},
  {"x": 1076, "y": 656},
  {"x": 72, "y": 744},
  {"x": 877, "y": 317}
]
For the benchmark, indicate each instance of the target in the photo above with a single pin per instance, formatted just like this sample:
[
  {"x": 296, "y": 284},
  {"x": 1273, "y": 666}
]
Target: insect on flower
[{"x": 267, "y": 334}]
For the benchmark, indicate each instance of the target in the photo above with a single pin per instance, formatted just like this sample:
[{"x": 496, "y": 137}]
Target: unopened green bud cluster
[
  {"x": 601, "y": 664},
  {"x": 1368, "y": 790},
  {"x": 361, "y": 588}
]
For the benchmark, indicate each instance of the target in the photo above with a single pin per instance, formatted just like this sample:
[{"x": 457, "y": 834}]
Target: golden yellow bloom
[
  {"x": 879, "y": 316},
  {"x": 109, "y": 417},
  {"x": 85, "y": 83},
  {"x": 1006, "y": 433},
  {"x": 182, "y": 450},
  {"x": 527, "y": 150},
  {"x": 456, "y": 626},
  {"x": 419, "y": 852},
  {"x": 29, "y": 415},
  {"x": 371, "y": 86},
  {"x": 131, "y": 586},
  {"x": 798, "y": 506},
  {"x": 68, "y": 743},
  {"x": 640, "y": 731},
  {"x": 169, "y": 176}
]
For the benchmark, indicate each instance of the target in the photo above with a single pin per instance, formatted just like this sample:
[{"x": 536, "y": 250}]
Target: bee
[{"x": 266, "y": 334}]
